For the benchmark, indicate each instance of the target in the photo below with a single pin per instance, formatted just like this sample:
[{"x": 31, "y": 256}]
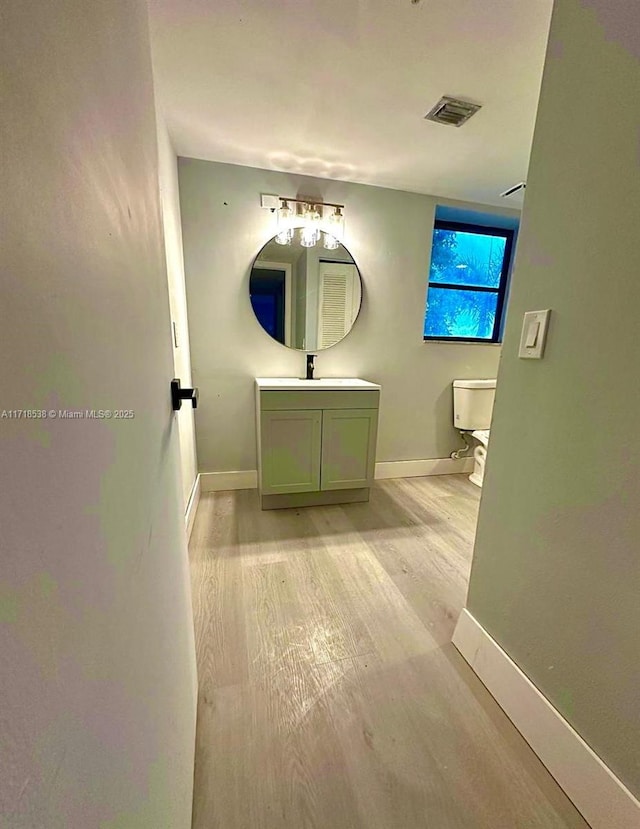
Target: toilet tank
[{"x": 473, "y": 404}]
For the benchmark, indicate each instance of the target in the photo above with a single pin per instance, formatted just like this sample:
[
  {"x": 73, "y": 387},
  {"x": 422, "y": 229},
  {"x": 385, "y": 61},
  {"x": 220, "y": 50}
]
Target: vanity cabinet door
[
  {"x": 348, "y": 448},
  {"x": 290, "y": 451}
]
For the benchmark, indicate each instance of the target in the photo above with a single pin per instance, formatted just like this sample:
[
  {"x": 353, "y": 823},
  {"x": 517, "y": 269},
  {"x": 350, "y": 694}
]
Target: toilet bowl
[{"x": 479, "y": 455}]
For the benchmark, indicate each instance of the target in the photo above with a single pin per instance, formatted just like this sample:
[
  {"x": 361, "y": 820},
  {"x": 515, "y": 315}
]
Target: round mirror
[{"x": 305, "y": 297}]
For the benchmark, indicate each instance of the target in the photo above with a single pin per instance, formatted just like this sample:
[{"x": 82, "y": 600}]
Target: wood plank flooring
[{"x": 330, "y": 696}]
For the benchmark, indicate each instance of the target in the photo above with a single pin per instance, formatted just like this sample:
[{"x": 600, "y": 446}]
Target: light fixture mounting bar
[{"x": 312, "y": 201}]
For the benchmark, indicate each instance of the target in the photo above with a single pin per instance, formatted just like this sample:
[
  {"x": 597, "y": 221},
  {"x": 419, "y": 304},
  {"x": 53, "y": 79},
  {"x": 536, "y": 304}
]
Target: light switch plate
[{"x": 534, "y": 334}]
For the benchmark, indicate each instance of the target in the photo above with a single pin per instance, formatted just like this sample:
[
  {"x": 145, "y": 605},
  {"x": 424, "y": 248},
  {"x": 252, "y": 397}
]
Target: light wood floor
[{"x": 330, "y": 695}]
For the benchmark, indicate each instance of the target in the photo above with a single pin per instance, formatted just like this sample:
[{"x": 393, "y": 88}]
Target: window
[{"x": 467, "y": 282}]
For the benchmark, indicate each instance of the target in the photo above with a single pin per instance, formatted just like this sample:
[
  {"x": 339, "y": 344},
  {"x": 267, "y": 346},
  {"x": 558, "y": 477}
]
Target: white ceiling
[{"x": 339, "y": 88}]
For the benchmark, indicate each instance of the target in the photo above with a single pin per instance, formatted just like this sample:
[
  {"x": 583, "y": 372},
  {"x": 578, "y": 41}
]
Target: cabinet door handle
[{"x": 178, "y": 394}]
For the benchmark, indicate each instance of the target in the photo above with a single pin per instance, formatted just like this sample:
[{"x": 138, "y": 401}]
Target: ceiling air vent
[
  {"x": 452, "y": 111},
  {"x": 511, "y": 191}
]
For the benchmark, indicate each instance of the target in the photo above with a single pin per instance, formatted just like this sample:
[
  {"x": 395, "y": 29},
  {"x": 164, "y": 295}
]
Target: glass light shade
[
  {"x": 284, "y": 237},
  {"x": 285, "y": 215},
  {"x": 309, "y": 236},
  {"x": 310, "y": 230},
  {"x": 311, "y": 214},
  {"x": 285, "y": 224},
  {"x": 330, "y": 242},
  {"x": 336, "y": 223}
]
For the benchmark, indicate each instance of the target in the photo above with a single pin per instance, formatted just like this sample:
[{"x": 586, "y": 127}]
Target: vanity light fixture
[{"x": 314, "y": 220}]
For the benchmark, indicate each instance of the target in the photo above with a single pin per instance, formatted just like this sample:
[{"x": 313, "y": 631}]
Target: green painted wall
[
  {"x": 97, "y": 660},
  {"x": 388, "y": 232},
  {"x": 556, "y": 571}
]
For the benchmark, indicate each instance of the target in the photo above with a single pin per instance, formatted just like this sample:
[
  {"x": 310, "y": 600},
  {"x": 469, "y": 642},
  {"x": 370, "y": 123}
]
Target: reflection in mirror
[{"x": 305, "y": 298}]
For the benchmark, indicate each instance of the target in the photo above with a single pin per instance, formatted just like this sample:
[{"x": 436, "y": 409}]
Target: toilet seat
[{"x": 482, "y": 435}]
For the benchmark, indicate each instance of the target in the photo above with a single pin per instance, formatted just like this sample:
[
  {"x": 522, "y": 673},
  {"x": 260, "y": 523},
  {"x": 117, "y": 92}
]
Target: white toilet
[{"x": 472, "y": 409}]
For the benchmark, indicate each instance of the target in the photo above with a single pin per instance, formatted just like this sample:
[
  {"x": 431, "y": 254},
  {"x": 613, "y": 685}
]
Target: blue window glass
[
  {"x": 468, "y": 258},
  {"x": 467, "y": 282},
  {"x": 462, "y": 314}
]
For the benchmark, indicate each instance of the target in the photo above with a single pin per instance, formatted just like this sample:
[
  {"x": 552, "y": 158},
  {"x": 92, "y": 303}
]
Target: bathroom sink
[{"x": 322, "y": 383}]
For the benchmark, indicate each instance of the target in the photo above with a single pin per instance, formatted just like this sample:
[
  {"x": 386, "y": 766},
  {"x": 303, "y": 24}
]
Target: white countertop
[{"x": 321, "y": 384}]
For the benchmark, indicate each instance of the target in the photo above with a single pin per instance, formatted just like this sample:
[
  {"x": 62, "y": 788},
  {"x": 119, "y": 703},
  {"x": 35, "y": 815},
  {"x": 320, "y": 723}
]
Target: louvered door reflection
[{"x": 339, "y": 301}]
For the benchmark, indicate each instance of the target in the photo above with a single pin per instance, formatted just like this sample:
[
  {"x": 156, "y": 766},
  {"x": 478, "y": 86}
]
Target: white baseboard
[
  {"x": 218, "y": 481},
  {"x": 414, "y": 469},
  {"x": 248, "y": 478},
  {"x": 192, "y": 506},
  {"x": 599, "y": 796}
]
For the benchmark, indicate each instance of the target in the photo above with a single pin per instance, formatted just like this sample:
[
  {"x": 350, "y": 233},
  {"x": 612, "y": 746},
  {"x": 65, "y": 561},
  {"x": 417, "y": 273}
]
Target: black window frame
[{"x": 501, "y": 290}]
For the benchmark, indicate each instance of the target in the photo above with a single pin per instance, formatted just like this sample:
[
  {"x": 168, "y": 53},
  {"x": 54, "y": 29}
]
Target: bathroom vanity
[{"x": 316, "y": 440}]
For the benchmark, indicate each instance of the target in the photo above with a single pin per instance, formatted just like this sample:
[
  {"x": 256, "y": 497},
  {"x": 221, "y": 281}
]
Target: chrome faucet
[{"x": 310, "y": 361}]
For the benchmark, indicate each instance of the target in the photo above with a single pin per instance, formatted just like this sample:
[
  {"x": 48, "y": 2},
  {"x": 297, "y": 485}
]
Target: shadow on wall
[{"x": 443, "y": 408}]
